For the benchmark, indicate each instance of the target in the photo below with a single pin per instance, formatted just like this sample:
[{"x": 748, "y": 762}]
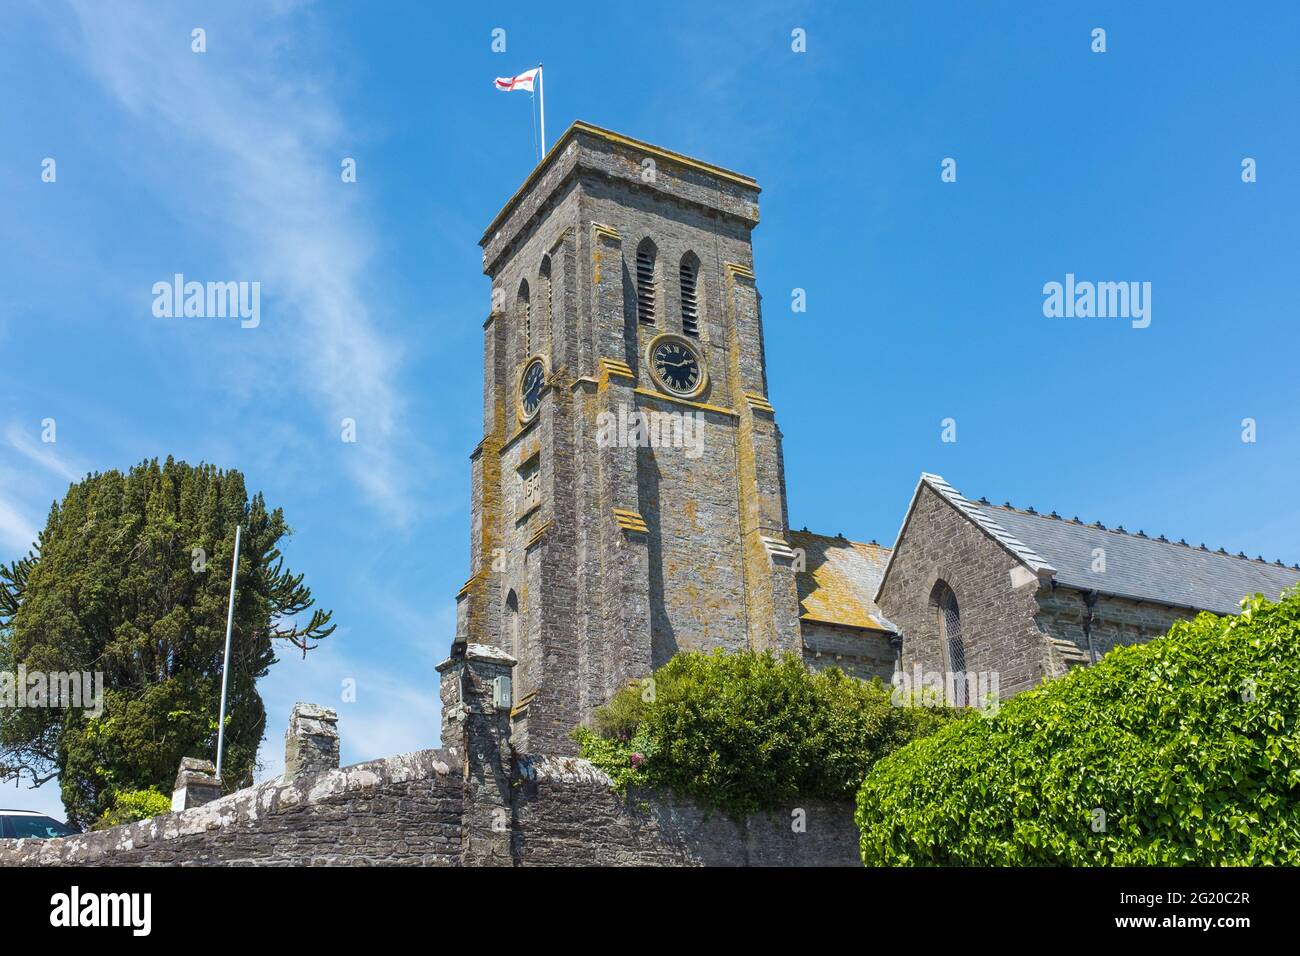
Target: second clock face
[
  {"x": 530, "y": 388},
  {"x": 677, "y": 366}
]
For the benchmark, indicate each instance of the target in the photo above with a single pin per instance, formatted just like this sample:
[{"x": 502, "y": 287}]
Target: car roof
[{"x": 24, "y": 813}]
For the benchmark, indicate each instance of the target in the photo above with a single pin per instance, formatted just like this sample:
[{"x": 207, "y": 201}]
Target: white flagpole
[
  {"x": 225, "y": 667},
  {"x": 541, "y": 94}
]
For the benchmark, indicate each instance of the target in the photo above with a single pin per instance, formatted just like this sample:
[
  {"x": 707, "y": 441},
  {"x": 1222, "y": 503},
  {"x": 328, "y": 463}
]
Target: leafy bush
[
  {"x": 747, "y": 731},
  {"x": 1185, "y": 750},
  {"x": 132, "y": 805}
]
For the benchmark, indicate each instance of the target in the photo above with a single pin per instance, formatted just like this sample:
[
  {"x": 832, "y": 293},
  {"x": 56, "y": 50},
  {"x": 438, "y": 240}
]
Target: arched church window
[
  {"x": 524, "y": 308},
  {"x": 645, "y": 281},
  {"x": 949, "y": 614},
  {"x": 513, "y": 635},
  {"x": 689, "y": 275}
]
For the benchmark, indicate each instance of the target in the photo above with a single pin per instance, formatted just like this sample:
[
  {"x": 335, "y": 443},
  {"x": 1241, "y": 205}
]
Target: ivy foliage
[
  {"x": 1185, "y": 750},
  {"x": 746, "y": 731}
]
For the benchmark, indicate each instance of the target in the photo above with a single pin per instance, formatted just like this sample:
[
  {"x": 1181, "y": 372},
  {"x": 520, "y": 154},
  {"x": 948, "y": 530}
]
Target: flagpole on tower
[{"x": 541, "y": 96}]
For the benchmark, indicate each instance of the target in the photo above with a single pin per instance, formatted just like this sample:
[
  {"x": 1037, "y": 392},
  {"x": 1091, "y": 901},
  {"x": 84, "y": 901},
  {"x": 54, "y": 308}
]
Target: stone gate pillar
[
  {"x": 197, "y": 783},
  {"x": 311, "y": 743},
  {"x": 476, "y": 695}
]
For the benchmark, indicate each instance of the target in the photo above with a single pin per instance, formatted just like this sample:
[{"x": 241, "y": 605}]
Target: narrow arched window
[
  {"x": 524, "y": 309},
  {"x": 547, "y": 304},
  {"x": 513, "y": 635},
  {"x": 689, "y": 276},
  {"x": 948, "y": 613},
  {"x": 645, "y": 281}
]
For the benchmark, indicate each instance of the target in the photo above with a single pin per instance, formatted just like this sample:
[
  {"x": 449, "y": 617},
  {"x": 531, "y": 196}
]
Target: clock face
[
  {"x": 677, "y": 366},
  {"x": 530, "y": 388}
]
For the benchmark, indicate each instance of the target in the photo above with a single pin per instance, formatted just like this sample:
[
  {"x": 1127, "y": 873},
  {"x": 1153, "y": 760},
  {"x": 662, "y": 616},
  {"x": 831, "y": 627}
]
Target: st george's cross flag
[{"x": 524, "y": 81}]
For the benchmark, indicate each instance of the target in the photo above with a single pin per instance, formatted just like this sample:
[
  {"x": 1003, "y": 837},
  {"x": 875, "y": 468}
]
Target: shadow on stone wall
[{"x": 477, "y": 803}]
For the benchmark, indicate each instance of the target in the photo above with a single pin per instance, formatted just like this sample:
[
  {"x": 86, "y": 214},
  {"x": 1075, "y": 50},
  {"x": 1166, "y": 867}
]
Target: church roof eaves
[
  {"x": 1022, "y": 552},
  {"x": 1139, "y": 567}
]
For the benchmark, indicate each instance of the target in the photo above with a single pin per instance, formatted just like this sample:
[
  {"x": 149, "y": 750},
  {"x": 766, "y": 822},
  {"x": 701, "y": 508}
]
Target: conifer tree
[{"x": 130, "y": 578}]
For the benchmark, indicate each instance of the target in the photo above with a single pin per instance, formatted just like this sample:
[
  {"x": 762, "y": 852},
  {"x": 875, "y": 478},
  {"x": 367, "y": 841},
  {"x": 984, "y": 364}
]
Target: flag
[{"x": 524, "y": 81}]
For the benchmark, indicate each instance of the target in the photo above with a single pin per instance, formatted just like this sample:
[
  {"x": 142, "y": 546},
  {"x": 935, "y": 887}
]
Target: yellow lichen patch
[{"x": 839, "y": 582}]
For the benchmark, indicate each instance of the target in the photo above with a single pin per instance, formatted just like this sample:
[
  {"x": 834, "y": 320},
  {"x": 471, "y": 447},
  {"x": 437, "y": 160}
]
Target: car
[{"x": 30, "y": 825}]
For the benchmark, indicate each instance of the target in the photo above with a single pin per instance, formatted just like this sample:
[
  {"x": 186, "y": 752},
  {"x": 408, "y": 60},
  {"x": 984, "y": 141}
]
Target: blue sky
[{"x": 924, "y": 297}]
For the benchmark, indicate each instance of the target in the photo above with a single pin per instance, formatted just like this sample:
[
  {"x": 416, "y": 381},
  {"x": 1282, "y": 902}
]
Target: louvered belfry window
[
  {"x": 690, "y": 302},
  {"x": 645, "y": 282},
  {"x": 956, "y": 649},
  {"x": 525, "y": 317},
  {"x": 547, "y": 312}
]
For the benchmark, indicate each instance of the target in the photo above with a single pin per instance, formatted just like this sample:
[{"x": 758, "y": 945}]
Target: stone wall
[
  {"x": 999, "y": 630},
  {"x": 473, "y": 804},
  {"x": 1115, "y": 621},
  {"x": 859, "y": 653},
  {"x": 566, "y": 815},
  {"x": 1018, "y": 627},
  {"x": 593, "y": 563},
  {"x": 402, "y": 810},
  {"x": 408, "y": 811}
]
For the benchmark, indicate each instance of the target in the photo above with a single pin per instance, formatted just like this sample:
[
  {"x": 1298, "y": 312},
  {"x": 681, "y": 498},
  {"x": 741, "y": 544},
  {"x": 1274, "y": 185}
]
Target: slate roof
[
  {"x": 1137, "y": 566},
  {"x": 839, "y": 583},
  {"x": 1145, "y": 568}
]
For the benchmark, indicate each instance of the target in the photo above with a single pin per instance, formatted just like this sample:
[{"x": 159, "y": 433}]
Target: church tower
[{"x": 628, "y": 492}]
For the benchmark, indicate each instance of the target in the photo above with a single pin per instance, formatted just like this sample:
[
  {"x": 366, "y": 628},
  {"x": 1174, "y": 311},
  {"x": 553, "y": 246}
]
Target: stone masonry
[
  {"x": 592, "y": 564},
  {"x": 1035, "y": 593},
  {"x": 311, "y": 744},
  {"x": 475, "y": 804},
  {"x": 1002, "y": 636},
  {"x": 864, "y": 655},
  {"x": 196, "y": 784},
  {"x": 403, "y": 810}
]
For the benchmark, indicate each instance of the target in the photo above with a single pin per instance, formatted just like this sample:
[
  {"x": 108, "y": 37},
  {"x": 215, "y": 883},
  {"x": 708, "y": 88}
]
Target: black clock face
[
  {"x": 677, "y": 366},
  {"x": 530, "y": 388}
]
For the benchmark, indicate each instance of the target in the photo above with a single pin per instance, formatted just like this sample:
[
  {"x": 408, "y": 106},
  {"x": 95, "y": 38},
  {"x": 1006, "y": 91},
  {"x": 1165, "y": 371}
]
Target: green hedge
[
  {"x": 746, "y": 731},
  {"x": 1187, "y": 745}
]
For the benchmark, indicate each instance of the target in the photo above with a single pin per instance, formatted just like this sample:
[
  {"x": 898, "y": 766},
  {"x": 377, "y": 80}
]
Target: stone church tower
[{"x": 628, "y": 493}]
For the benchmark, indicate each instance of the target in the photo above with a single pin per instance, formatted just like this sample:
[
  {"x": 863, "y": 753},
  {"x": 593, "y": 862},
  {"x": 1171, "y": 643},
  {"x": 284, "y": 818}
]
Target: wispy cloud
[
  {"x": 261, "y": 170},
  {"x": 16, "y": 532},
  {"x": 391, "y": 713},
  {"x": 20, "y": 483},
  {"x": 41, "y": 453}
]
